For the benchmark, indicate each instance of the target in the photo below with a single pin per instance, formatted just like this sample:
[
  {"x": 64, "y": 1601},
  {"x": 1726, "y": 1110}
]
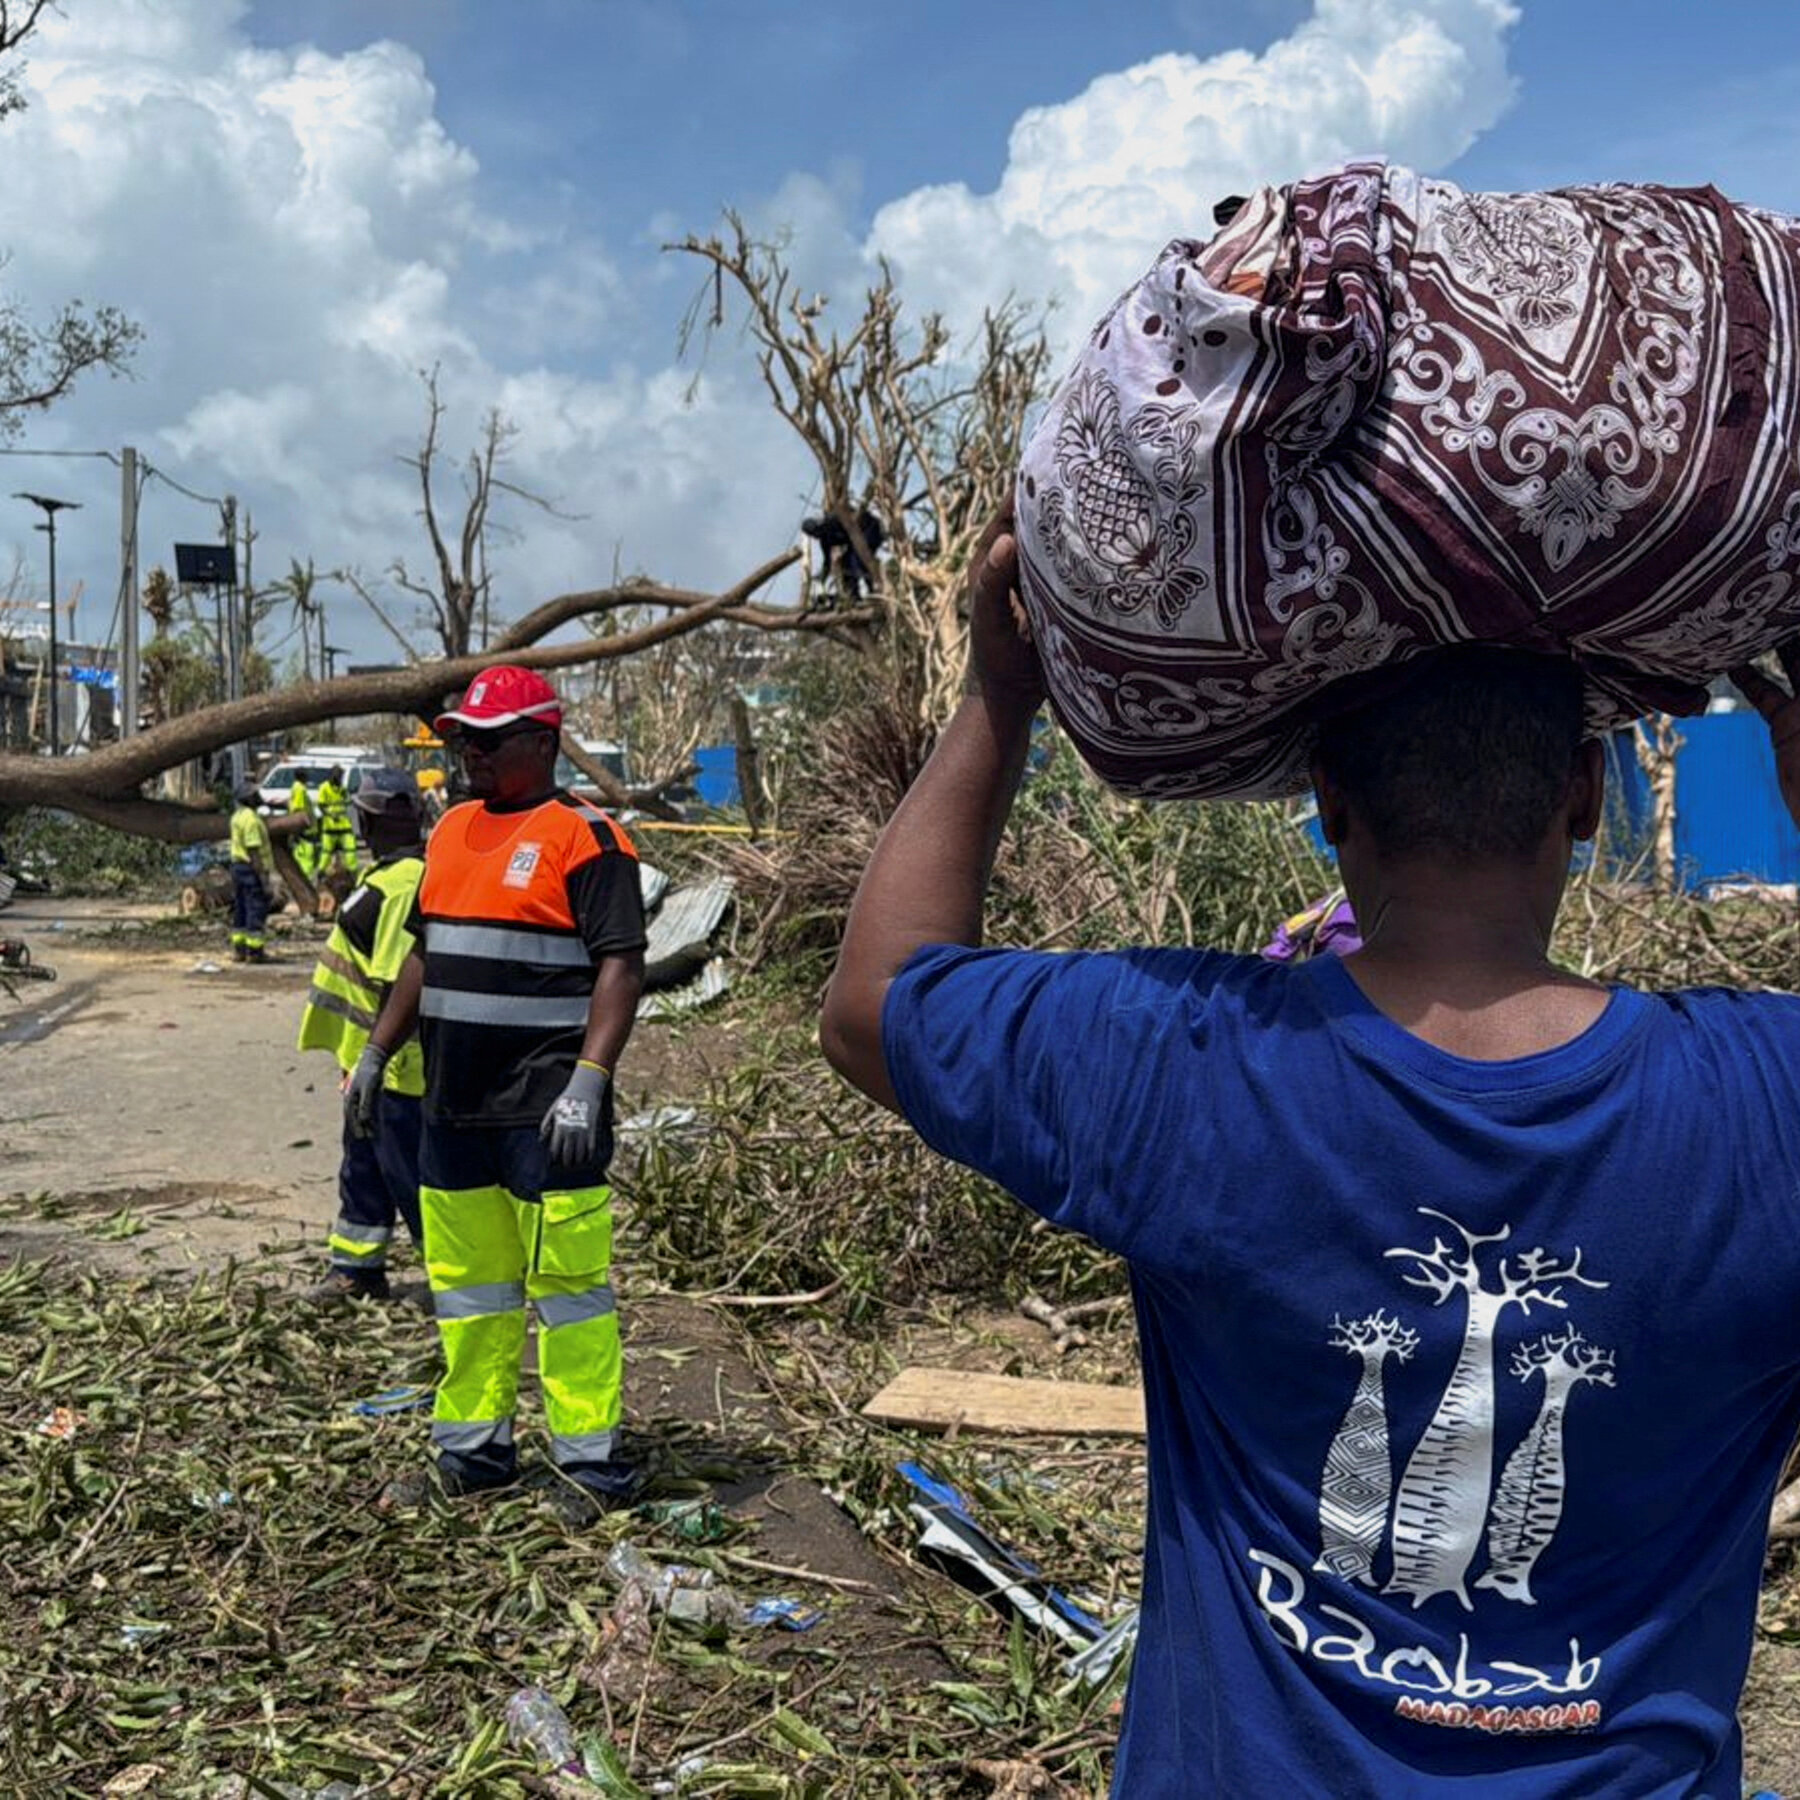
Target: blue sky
[{"x": 387, "y": 184}]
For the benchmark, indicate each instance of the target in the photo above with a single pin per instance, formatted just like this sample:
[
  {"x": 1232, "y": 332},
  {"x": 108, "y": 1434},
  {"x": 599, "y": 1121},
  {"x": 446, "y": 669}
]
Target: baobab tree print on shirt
[
  {"x": 1528, "y": 1507},
  {"x": 1441, "y": 1508},
  {"x": 1359, "y": 1478}
]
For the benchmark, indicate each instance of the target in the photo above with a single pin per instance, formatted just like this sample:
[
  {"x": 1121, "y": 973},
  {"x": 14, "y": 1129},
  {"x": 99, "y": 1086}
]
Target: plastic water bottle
[{"x": 536, "y": 1723}]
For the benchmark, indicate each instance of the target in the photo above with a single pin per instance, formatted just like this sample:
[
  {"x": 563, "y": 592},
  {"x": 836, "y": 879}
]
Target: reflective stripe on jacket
[{"x": 361, "y": 959}]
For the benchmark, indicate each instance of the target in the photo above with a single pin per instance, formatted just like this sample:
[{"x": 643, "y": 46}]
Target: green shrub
[{"x": 76, "y": 856}]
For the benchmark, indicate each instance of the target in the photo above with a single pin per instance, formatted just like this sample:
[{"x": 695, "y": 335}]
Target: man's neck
[
  {"x": 518, "y": 803},
  {"x": 1462, "y": 959}
]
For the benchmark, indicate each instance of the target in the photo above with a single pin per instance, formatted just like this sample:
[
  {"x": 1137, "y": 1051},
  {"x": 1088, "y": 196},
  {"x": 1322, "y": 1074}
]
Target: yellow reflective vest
[
  {"x": 250, "y": 839},
  {"x": 370, "y": 941}
]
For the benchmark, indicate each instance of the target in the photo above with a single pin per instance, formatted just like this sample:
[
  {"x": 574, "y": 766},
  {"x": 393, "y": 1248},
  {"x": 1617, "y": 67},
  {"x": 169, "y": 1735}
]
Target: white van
[{"x": 312, "y": 765}]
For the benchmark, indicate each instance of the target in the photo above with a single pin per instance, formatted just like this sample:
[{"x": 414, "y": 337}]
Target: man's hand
[
  {"x": 364, "y": 1090},
  {"x": 1781, "y": 711},
  {"x": 1002, "y": 660},
  {"x": 571, "y": 1127}
]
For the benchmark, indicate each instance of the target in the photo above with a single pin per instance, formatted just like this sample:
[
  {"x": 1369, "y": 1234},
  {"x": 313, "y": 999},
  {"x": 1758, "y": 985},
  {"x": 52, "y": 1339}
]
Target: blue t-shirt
[{"x": 1468, "y": 1383}]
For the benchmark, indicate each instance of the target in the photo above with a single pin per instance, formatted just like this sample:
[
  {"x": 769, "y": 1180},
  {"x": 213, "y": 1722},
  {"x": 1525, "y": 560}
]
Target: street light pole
[{"x": 50, "y": 508}]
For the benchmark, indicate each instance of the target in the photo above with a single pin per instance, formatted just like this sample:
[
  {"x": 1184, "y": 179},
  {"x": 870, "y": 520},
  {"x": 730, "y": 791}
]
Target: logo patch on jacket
[{"x": 522, "y": 866}]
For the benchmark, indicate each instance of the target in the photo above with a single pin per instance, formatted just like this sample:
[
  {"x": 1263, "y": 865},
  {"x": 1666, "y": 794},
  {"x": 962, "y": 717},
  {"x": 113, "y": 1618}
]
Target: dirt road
[{"x": 167, "y": 1079}]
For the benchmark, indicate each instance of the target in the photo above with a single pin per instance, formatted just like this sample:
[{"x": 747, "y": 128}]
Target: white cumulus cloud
[
  {"x": 1095, "y": 186},
  {"x": 300, "y": 235}
]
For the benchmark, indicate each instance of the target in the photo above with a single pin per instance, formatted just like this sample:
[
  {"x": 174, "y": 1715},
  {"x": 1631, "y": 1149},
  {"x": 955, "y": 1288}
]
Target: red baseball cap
[{"x": 505, "y": 696}]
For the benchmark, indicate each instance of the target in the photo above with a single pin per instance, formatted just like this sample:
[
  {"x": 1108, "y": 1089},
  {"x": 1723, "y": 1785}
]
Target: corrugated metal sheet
[
  {"x": 712, "y": 983},
  {"x": 681, "y": 934},
  {"x": 655, "y": 884}
]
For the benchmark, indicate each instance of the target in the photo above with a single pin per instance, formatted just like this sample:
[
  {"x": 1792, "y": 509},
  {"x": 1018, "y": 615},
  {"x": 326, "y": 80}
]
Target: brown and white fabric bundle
[{"x": 1377, "y": 415}]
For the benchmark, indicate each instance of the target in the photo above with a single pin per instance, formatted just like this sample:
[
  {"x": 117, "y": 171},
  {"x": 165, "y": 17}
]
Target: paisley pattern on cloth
[{"x": 1376, "y": 415}]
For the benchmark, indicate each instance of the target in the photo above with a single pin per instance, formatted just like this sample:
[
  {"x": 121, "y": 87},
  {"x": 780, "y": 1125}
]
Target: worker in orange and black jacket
[{"x": 531, "y": 930}]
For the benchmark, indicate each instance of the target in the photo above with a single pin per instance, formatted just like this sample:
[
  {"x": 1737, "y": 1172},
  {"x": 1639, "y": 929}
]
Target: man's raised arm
[{"x": 927, "y": 879}]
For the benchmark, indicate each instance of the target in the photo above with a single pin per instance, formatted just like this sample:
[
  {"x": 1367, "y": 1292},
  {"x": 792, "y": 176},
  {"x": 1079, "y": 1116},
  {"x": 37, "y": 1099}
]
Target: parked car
[{"x": 609, "y": 755}]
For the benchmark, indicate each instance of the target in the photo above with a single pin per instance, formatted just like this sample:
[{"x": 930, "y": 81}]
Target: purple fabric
[{"x": 1327, "y": 925}]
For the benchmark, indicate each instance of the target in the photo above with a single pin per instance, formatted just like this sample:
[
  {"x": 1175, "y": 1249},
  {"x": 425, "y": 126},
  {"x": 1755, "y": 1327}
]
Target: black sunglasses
[{"x": 488, "y": 738}]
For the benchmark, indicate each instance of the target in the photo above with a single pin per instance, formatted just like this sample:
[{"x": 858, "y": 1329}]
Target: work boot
[
  {"x": 418, "y": 1487},
  {"x": 256, "y": 954},
  {"x": 581, "y": 1492},
  {"x": 460, "y": 1476},
  {"x": 343, "y": 1285},
  {"x": 239, "y": 953}
]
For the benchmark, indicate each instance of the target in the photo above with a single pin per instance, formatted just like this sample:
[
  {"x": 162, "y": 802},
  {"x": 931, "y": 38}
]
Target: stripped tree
[
  {"x": 914, "y": 441},
  {"x": 1528, "y": 1504},
  {"x": 1443, "y": 1499},
  {"x": 1359, "y": 1476}
]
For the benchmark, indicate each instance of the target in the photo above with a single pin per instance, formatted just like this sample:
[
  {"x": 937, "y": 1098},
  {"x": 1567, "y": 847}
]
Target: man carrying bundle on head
[{"x": 1469, "y": 1381}]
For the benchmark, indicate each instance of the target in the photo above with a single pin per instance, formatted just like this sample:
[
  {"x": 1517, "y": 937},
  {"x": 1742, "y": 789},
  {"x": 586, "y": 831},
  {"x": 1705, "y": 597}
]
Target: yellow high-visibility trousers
[{"x": 497, "y": 1235}]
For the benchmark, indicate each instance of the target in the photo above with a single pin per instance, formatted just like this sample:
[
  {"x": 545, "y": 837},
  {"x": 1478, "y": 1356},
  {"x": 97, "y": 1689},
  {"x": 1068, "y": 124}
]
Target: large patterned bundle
[{"x": 1377, "y": 414}]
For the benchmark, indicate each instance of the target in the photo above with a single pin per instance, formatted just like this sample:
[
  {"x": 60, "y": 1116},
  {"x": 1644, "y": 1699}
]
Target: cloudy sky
[{"x": 305, "y": 202}]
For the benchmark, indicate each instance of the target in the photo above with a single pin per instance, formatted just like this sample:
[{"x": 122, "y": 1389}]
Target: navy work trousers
[{"x": 378, "y": 1180}]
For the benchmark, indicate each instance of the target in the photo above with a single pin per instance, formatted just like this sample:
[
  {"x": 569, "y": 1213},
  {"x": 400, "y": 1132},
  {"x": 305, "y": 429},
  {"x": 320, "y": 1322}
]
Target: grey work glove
[
  {"x": 571, "y": 1127},
  {"x": 363, "y": 1090}
]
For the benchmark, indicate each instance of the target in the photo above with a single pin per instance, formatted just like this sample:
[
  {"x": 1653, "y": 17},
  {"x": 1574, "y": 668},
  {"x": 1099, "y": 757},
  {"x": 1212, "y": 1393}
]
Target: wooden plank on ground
[{"x": 961, "y": 1400}]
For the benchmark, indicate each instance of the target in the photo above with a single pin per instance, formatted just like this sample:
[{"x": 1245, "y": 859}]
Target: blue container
[
  {"x": 717, "y": 782},
  {"x": 1730, "y": 823}
]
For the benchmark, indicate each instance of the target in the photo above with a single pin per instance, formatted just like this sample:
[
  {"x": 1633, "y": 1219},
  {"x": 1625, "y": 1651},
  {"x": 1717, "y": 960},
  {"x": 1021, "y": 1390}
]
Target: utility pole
[
  {"x": 50, "y": 508},
  {"x": 128, "y": 601},
  {"x": 234, "y": 655}
]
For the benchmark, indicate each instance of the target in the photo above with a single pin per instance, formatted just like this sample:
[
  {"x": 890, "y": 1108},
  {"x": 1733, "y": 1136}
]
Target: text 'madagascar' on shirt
[
  {"x": 1468, "y": 1383},
  {"x": 516, "y": 910}
]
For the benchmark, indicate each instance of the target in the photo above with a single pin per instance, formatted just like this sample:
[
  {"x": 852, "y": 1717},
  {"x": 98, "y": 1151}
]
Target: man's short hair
[{"x": 1471, "y": 757}]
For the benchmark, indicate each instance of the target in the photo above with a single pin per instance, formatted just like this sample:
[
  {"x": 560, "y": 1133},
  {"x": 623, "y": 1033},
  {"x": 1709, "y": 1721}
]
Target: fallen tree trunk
[{"x": 105, "y": 786}]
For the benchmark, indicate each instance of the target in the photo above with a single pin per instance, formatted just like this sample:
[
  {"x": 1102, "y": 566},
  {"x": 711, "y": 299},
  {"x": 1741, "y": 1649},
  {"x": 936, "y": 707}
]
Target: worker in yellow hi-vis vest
[
  {"x": 305, "y": 844},
  {"x": 378, "y": 1175},
  {"x": 337, "y": 835},
  {"x": 252, "y": 869}
]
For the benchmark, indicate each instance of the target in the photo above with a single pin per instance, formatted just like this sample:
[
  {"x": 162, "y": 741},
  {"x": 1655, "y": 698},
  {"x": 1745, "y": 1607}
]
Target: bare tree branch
[
  {"x": 407, "y": 647},
  {"x": 894, "y": 421}
]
